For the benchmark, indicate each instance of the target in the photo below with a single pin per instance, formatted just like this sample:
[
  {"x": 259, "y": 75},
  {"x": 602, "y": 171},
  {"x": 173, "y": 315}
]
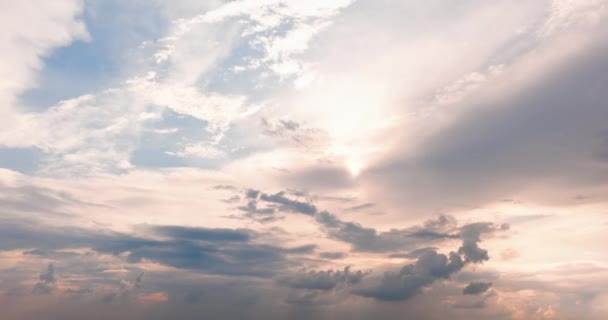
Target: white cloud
[
  {"x": 199, "y": 151},
  {"x": 567, "y": 14},
  {"x": 31, "y": 30}
]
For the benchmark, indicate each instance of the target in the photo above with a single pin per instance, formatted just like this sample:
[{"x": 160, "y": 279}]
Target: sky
[{"x": 303, "y": 159}]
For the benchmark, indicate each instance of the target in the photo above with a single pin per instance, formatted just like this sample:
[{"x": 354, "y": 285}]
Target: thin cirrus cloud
[{"x": 268, "y": 159}]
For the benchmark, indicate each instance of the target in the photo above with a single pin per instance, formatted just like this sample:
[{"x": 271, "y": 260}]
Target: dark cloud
[
  {"x": 323, "y": 280},
  {"x": 126, "y": 284},
  {"x": 262, "y": 215},
  {"x": 54, "y": 254},
  {"x": 471, "y": 236},
  {"x": 213, "y": 251},
  {"x": 46, "y": 282},
  {"x": 361, "y": 207},
  {"x": 224, "y": 187},
  {"x": 252, "y": 194},
  {"x": 432, "y": 266},
  {"x": 287, "y": 204},
  {"x": 406, "y": 283},
  {"x": 138, "y": 280},
  {"x": 332, "y": 255},
  {"x": 265, "y": 207},
  {"x": 474, "y": 288},
  {"x": 368, "y": 239},
  {"x": 240, "y": 259}
]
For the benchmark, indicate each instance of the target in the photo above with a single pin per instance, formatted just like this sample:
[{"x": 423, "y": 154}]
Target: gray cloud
[
  {"x": 252, "y": 193},
  {"x": 332, "y": 255},
  {"x": 479, "y": 304},
  {"x": 224, "y": 187},
  {"x": 265, "y": 207},
  {"x": 361, "y": 207},
  {"x": 476, "y": 288},
  {"x": 368, "y": 239},
  {"x": 287, "y": 204},
  {"x": 204, "y": 234},
  {"x": 406, "y": 283},
  {"x": 279, "y": 127},
  {"x": 262, "y": 215},
  {"x": 414, "y": 254},
  {"x": 305, "y": 249},
  {"x": 38, "y": 200},
  {"x": 46, "y": 282},
  {"x": 432, "y": 266},
  {"x": 214, "y": 251},
  {"x": 551, "y": 132},
  {"x": 471, "y": 236},
  {"x": 323, "y": 280}
]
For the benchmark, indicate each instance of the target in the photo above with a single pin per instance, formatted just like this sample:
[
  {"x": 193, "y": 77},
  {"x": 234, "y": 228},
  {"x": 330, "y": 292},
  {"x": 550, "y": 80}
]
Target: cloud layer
[{"x": 293, "y": 159}]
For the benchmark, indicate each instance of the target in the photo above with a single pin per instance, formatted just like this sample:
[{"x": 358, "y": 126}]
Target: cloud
[
  {"x": 328, "y": 108},
  {"x": 323, "y": 280},
  {"x": 25, "y": 45},
  {"x": 262, "y": 215},
  {"x": 287, "y": 204},
  {"x": 470, "y": 235},
  {"x": 280, "y": 127},
  {"x": 21, "y": 196},
  {"x": 132, "y": 285},
  {"x": 474, "y": 288},
  {"x": 361, "y": 207},
  {"x": 402, "y": 285},
  {"x": 275, "y": 203},
  {"x": 492, "y": 149},
  {"x": 47, "y": 281},
  {"x": 479, "y": 304},
  {"x": 332, "y": 255},
  {"x": 204, "y": 234},
  {"x": 414, "y": 254},
  {"x": 252, "y": 194},
  {"x": 370, "y": 240},
  {"x": 213, "y": 251},
  {"x": 431, "y": 266}
]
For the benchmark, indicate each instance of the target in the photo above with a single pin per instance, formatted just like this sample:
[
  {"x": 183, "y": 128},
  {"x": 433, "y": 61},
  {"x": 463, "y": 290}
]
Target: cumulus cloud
[
  {"x": 408, "y": 282},
  {"x": 431, "y": 266},
  {"x": 470, "y": 235}
]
